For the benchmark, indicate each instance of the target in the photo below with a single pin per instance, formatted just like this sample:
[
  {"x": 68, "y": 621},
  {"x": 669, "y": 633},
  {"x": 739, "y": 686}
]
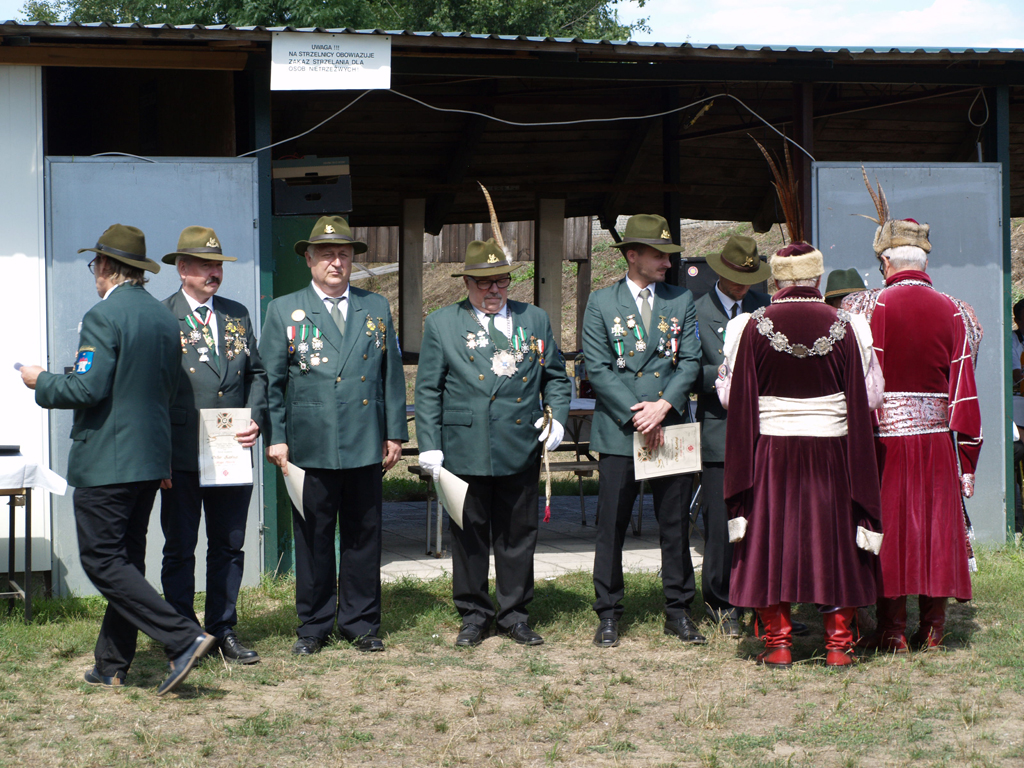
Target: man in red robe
[
  {"x": 800, "y": 479},
  {"x": 927, "y": 344}
]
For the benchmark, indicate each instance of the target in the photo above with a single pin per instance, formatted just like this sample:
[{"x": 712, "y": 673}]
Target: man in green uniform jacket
[
  {"x": 336, "y": 409},
  {"x": 485, "y": 364},
  {"x": 643, "y": 356},
  {"x": 221, "y": 368},
  {"x": 738, "y": 267},
  {"x": 121, "y": 389}
]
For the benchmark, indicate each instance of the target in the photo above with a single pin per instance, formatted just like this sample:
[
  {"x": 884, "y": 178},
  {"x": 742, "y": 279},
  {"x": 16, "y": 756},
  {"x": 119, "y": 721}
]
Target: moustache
[{"x": 213, "y": 281}]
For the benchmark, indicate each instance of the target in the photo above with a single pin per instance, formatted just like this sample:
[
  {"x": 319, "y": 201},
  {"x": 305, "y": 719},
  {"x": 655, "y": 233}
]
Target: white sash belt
[{"x": 805, "y": 417}]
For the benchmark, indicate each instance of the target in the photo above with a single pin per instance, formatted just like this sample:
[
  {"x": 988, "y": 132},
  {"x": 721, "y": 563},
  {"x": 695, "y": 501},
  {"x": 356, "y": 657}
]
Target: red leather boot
[
  {"x": 933, "y": 623},
  {"x": 839, "y": 637},
  {"x": 778, "y": 636}
]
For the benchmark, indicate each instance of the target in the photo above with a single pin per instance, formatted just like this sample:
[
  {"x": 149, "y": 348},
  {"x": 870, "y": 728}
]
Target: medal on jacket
[
  {"x": 290, "y": 333},
  {"x": 201, "y": 329},
  {"x": 303, "y": 347},
  {"x": 470, "y": 340},
  {"x": 503, "y": 363},
  {"x": 317, "y": 342},
  {"x": 540, "y": 351},
  {"x": 675, "y": 330},
  {"x": 638, "y": 333},
  {"x": 519, "y": 344},
  {"x": 620, "y": 348},
  {"x": 617, "y": 329},
  {"x": 662, "y": 325},
  {"x": 381, "y": 339}
]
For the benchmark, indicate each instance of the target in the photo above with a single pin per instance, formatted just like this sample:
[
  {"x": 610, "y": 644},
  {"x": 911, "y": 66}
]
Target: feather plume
[
  {"x": 788, "y": 188},
  {"x": 495, "y": 226},
  {"x": 878, "y": 198}
]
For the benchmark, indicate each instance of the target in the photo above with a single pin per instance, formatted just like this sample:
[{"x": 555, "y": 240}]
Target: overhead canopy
[{"x": 841, "y": 104}]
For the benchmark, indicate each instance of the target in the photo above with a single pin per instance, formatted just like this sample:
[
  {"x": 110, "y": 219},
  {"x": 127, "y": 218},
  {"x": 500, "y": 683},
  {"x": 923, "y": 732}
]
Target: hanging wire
[{"x": 984, "y": 98}]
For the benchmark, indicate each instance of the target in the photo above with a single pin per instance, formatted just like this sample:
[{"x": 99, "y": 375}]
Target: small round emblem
[
  {"x": 692, "y": 271},
  {"x": 298, "y": 315}
]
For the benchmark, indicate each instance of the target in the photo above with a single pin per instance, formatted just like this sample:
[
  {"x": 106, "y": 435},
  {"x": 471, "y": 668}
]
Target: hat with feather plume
[
  {"x": 892, "y": 233},
  {"x": 490, "y": 257}
]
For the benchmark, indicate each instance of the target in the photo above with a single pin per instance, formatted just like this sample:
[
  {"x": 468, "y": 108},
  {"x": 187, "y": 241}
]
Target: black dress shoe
[
  {"x": 368, "y": 644},
  {"x": 522, "y": 634},
  {"x": 307, "y": 646},
  {"x": 730, "y": 627},
  {"x": 470, "y": 635},
  {"x": 92, "y": 677},
  {"x": 799, "y": 628},
  {"x": 181, "y": 665},
  {"x": 237, "y": 653},
  {"x": 684, "y": 629},
  {"x": 607, "y": 635}
]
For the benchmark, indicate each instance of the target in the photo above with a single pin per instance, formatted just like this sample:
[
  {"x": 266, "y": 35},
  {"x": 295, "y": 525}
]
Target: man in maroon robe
[
  {"x": 800, "y": 479},
  {"x": 927, "y": 344}
]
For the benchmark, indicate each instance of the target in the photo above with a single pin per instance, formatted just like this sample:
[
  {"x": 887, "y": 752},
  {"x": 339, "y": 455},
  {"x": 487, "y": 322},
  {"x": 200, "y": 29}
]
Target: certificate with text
[
  {"x": 222, "y": 459},
  {"x": 679, "y": 455}
]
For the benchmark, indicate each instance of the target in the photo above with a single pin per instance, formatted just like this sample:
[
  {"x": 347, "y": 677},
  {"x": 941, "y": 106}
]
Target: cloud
[{"x": 869, "y": 23}]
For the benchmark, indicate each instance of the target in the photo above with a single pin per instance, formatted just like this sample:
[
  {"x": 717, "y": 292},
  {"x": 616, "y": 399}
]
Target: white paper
[
  {"x": 679, "y": 455},
  {"x": 307, "y": 61},
  {"x": 451, "y": 493},
  {"x": 222, "y": 459},
  {"x": 293, "y": 482}
]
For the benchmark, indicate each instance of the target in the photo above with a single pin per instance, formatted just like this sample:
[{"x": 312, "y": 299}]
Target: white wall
[{"x": 22, "y": 290}]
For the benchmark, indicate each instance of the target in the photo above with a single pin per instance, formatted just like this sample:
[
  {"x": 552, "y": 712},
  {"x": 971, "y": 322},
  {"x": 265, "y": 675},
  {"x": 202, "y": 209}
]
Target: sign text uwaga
[{"x": 304, "y": 61}]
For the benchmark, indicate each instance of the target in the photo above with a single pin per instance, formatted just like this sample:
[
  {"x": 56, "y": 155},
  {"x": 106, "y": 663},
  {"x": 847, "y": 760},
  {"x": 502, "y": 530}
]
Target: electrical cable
[
  {"x": 984, "y": 98},
  {"x": 300, "y": 135},
  {"x": 123, "y": 154}
]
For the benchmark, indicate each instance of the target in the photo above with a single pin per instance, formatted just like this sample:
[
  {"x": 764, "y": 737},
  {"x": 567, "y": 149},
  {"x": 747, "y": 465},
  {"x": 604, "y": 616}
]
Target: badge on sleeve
[{"x": 84, "y": 361}]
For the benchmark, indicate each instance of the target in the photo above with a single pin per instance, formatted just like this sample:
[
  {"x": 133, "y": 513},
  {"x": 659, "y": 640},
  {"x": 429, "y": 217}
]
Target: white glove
[
  {"x": 553, "y": 433},
  {"x": 432, "y": 461}
]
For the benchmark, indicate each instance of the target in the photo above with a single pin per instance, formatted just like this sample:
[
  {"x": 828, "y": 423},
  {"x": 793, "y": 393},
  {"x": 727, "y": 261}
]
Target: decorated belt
[{"x": 912, "y": 413}]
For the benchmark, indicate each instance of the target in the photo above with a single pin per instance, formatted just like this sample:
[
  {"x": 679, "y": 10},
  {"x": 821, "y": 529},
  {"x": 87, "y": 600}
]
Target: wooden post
[
  {"x": 583, "y": 285},
  {"x": 548, "y": 252},
  {"x": 410, "y": 275},
  {"x": 671, "y": 175},
  {"x": 803, "y": 124}
]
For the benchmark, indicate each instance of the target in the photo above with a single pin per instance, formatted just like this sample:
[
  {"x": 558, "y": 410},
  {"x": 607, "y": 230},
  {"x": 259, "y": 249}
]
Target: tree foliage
[{"x": 594, "y": 19}]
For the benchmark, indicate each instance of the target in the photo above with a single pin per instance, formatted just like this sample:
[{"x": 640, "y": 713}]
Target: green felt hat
[
  {"x": 199, "y": 243},
  {"x": 738, "y": 261},
  {"x": 331, "y": 230},
  {"x": 124, "y": 244},
  {"x": 485, "y": 259},
  {"x": 842, "y": 282},
  {"x": 648, "y": 229}
]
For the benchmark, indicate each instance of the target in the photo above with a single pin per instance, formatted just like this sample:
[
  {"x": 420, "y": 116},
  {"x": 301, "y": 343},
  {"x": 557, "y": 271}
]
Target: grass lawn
[{"x": 651, "y": 701}]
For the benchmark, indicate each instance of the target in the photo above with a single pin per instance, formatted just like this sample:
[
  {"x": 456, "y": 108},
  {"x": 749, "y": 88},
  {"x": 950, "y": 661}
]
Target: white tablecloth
[{"x": 16, "y": 471}]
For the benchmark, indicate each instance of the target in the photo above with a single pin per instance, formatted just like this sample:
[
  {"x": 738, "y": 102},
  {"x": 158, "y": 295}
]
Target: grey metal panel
[
  {"x": 83, "y": 197},
  {"x": 962, "y": 202}
]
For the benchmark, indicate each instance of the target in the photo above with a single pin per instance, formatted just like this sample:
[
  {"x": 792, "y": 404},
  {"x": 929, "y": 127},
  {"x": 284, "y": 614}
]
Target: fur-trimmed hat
[
  {"x": 797, "y": 261},
  {"x": 896, "y": 232}
]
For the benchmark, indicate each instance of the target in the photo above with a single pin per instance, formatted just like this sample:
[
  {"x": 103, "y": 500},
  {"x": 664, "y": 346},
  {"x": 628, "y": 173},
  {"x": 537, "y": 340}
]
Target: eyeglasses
[
  {"x": 881, "y": 267},
  {"x": 92, "y": 266},
  {"x": 485, "y": 285}
]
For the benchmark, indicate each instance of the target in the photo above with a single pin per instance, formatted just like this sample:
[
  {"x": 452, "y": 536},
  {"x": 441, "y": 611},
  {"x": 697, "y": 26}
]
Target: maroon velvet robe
[
  {"x": 922, "y": 339},
  {"x": 803, "y": 497}
]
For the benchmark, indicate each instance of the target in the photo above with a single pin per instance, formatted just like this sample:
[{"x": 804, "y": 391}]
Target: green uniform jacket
[
  {"x": 711, "y": 322},
  {"x": 125, "y": 378},
  {"x": 650, "y": 375},
  {"x": 484, "y": 422},
  {"x": 337, "y": 414},
  {"x": 238, "y": 382}
]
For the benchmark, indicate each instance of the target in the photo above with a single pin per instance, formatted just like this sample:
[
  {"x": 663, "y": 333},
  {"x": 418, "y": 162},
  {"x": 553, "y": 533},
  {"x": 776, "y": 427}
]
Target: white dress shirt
[
  {"x": 329, "y": 300},
  {"x": 212, "y": 325},
  {"x": 728, "y": 302},
  {"x": 635, "y": 290},
  {"x": 502, "y": 320}
]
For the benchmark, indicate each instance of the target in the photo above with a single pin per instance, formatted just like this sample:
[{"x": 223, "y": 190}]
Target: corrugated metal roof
[{"x": 745, "y": 48}]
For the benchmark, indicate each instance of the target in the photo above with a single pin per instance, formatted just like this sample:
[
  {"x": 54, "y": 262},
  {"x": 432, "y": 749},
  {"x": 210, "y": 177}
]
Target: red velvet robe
[
  {"x": 803, "y": 497},
  {"x": 922, "y": 339}
]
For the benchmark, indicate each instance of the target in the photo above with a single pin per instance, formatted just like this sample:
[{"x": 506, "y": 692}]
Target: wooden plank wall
[{"x": 450, "y": 245}]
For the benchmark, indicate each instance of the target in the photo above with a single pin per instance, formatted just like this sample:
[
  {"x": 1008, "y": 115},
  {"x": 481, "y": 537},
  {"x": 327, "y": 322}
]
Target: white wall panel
[{"x": 22, "y": 289}]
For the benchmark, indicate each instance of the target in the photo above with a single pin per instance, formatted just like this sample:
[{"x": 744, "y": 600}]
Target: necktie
[
  {"x": 203, "y": 313},
  {"x": 645, "y": 308},
  {"x": 339, "y": 319},
  {"x": 735, "y": 310},
  {"x": 499, "y": 338}
]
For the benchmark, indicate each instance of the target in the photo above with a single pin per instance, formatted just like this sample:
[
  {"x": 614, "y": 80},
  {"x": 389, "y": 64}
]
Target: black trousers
[
  {"x": 500, "y": 512},
  {"x": 112, "y": 521},
  {"x": 328, "y": 588},
  {"x": 226, "y": 508},
  {"x": 717, "y": 549},
  {"x": 615, "y": 497}
]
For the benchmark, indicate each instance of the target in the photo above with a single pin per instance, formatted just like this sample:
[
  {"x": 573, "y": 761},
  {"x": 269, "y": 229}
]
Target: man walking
[
  {"x": 221, "y": 368},
  {"x": 122, "y": 386},
  {"x": 336, "y": 409}
]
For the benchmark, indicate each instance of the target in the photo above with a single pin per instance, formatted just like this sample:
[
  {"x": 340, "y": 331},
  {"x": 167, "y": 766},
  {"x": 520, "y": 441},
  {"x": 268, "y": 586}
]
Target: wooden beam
[
  {"x": 42, "y": 55},
  {"x": 410, "y": 276},
  {"x": 626, "y": 171},
  {"x": 583, "y": 286},
  {"x": 458, "y": 163},
  {"x": 549, "y": 250},
  {"x": 671, "y": 175},
  {"x": 803, "y": 125}
]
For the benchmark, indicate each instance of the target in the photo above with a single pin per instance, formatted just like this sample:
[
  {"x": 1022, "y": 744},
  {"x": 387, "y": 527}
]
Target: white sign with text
[{"x": 323, "y": 62}]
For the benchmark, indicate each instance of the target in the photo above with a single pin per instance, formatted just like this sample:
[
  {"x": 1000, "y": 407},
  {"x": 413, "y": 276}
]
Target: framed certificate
[
  {"x": 222, "y": 459},
  {"x": 679, "y": 455}
]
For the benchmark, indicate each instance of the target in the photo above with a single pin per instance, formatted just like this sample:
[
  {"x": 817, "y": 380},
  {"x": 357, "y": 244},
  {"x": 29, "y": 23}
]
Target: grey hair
[
  {"x": 906, "y": 257},
  {"x": 810, "y": 282}
]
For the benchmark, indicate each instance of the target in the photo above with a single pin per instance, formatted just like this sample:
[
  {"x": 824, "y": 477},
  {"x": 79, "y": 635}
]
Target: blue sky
[{"x": 889, "y": 23}]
